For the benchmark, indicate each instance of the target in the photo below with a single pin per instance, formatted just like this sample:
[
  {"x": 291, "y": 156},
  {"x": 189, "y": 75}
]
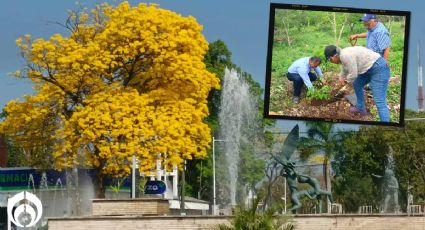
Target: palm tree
[{"x": 321, "y": 138}]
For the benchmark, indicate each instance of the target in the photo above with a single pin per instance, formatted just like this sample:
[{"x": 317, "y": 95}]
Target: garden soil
[{"x": 336, "y": 108}]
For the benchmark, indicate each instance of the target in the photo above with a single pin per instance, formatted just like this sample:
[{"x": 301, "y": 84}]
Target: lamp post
[
  {"x": 133, "y": 177},
  {"x": 214, "y": 210}
]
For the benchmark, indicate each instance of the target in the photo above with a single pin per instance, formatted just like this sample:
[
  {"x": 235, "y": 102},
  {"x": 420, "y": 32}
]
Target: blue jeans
[
  {"x": 298, "y": 81},
  {"x": 377, "y": 77}
]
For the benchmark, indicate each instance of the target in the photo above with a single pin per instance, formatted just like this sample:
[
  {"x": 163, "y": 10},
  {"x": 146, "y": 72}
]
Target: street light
[
  {"x": 214, "y": 210},
  {"x": 133, "y": 177}
]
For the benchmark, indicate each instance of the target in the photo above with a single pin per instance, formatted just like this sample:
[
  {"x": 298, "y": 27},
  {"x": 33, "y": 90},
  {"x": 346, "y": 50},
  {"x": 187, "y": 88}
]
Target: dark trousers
[{"x": 298, "y": 81}]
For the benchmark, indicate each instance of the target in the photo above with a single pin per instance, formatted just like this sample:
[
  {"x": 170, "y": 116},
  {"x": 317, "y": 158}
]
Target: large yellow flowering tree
[{"x": 127, "y": 80}]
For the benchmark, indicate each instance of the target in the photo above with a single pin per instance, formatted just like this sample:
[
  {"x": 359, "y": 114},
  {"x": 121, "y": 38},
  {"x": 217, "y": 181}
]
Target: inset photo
[{"x": 344, "y": 65}]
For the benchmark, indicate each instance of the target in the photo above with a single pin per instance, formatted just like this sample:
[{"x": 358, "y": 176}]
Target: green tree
[
  {"x": 409, "y": 152},
  {"x": 353, "y": 185},
  {"x": 321, "y": 139},
  {"x": 217, "y": 58},
  {"x": 366, "y": 153}
]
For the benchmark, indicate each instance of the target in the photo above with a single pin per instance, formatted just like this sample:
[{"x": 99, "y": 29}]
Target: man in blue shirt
[
  {"x": 377, "y": 39},
  {"x": 300, "y": 73},
  {"x": 377, "y": 35}
]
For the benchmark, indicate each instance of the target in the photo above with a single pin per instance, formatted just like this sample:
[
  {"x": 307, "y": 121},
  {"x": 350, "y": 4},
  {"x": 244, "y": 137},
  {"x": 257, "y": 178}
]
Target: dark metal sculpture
[{"x": 293, "y": 178}]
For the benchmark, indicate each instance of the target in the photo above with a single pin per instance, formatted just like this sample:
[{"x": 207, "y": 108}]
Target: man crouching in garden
[
  {"x": 361, "y": 66},
  {"x": 300, "y": 73}
]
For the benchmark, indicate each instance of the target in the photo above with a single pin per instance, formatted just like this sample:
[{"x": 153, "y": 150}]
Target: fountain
[
  {"x": 43, "y": 181},
  {"x": 31, "y": 183},
  {"x": 236, "y": 117},
  {"x": 58, "y": 186},
  {"x": 60, "y": 194}
]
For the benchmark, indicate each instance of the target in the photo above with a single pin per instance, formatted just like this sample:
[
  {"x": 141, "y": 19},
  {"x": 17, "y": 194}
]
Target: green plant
[
  {"x": 393, "y": 93},
  {"x": 374, "y": 113},
  {"x": 249, "y": 218},
  {"x": 116, "y": 188},
  {"x": 142, "y": 183},
  {"x": 321, "y": 94}
]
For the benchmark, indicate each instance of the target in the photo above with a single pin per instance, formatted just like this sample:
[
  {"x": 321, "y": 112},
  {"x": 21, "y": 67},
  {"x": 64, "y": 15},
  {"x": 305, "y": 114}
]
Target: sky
[{"x": 241, "y": 24}]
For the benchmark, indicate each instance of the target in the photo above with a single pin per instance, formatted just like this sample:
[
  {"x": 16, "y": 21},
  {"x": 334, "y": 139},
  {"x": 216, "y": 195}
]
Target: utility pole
[
  {"x": 214, "y": 208},
  {"x": 420, "y": 89}
]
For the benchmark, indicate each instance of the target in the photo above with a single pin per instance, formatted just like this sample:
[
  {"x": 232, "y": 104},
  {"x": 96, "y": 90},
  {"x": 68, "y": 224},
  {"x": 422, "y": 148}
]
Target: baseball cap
[
  {"x": 330, "y": 51},
  {"x": 367, "y": 17}
]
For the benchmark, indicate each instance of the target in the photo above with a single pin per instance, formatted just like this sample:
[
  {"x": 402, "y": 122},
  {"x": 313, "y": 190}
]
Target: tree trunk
[
  {"x": 182, "y": 192},
  {"x": 338, "y": 34},
  {"x": 77, "y": 191},
  {"x": 99, "y": 188},
  {"x": 326, "y": 173},
  {"x": 351, "y": 27},
  {"x": 341, "y": 30},
  {"x": 404, "y": 23},
  {"x": 269, "y": 192},
  {"x": 138, "y": 192},
  {"x": 272, "y": 178},
  {"x": 333, "y": 22},
  {"x": 286, "y": 26}
]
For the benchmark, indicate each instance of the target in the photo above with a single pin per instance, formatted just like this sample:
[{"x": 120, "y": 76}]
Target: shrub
[{"x": 249, "y": 218}]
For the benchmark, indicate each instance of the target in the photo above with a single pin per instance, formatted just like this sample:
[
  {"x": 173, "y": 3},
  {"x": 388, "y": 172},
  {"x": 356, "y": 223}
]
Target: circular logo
[{"x": 28, "y": 209}]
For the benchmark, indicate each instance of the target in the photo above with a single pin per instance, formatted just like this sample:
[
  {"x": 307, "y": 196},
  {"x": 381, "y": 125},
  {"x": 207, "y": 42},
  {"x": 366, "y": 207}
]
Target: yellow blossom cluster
[
  {"x": 32, "y": 123},
  {"x": 128, "y": 80},
  {"x": 108, "y": 131}
]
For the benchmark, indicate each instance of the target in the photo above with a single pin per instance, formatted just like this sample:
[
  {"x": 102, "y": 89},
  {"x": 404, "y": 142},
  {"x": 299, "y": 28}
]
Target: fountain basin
[
  {"x": 130, "y": 207},
  {"x": 302, "y": 222}
]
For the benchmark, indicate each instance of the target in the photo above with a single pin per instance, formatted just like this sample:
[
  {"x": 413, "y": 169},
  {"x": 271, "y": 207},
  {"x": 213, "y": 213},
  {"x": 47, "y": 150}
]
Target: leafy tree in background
[
  {"x": 409, "y": 154},
  {"x": 217, "y": 59},
  {"x": 127, "y": 80},
  {"x": 353, "y": 185},
  {"x": 199, "y": 177},
  {"x": 366, "y": 153}
]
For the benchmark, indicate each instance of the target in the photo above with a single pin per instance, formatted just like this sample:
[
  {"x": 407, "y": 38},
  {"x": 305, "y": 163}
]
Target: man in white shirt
[{"x": 361, "y": 66}]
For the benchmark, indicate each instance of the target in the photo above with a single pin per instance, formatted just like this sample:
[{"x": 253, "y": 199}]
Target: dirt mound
[{"x": 336, "y": 108}]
